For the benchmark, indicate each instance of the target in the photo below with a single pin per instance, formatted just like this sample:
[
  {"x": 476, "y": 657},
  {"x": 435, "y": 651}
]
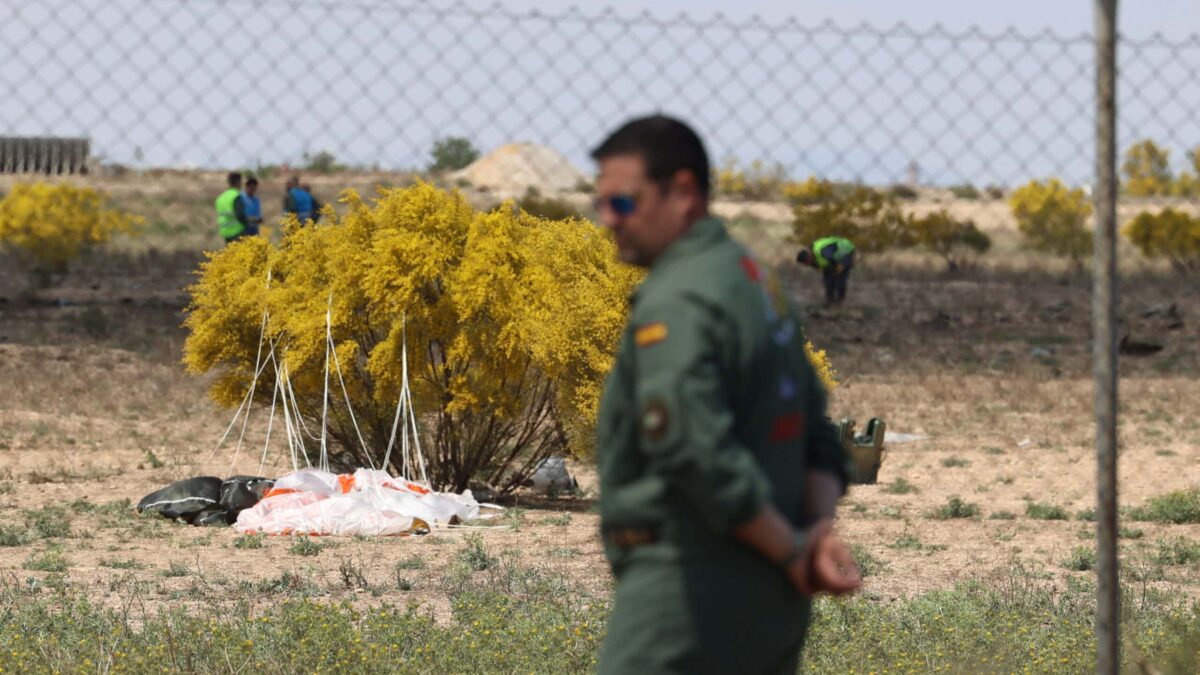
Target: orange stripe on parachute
[
  {"x": 345, "y": 483},
  {"x": 275, "y": 492}
]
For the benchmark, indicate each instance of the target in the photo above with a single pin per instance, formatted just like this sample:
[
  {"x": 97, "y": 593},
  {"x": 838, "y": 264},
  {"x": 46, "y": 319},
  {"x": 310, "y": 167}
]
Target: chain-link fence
[
  {"x": 945, "y": 121},
  {"x": 375, "y": 84}
]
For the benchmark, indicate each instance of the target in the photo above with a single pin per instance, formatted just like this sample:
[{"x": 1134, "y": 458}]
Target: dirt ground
[{"x": 991, "y": 365}]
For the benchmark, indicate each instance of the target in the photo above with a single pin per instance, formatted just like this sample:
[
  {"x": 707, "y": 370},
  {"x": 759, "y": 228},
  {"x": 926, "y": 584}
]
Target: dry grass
[{"x": 90, "y": 396}]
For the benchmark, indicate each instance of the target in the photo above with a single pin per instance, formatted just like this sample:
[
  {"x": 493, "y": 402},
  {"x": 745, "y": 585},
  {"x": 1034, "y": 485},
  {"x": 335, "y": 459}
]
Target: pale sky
[
  {"x": 234, "y": 83},
  {"x": 1172, "y": 18}
]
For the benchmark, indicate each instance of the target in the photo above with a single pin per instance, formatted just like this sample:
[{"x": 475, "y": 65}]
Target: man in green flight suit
[
  {"x": 719, "y": 470},
  {"x": 834, "y": 256}
]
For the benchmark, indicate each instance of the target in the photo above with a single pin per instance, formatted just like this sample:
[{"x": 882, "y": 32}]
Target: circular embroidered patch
[{"x": 655, "y": 420}]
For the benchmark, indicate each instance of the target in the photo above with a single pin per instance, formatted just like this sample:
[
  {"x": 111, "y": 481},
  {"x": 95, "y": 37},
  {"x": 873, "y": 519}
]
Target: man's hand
[{"x": 826, "y": 566}]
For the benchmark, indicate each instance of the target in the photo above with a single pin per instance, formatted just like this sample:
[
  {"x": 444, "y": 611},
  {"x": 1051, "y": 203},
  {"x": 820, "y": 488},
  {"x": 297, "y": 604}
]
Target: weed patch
[
  {"x": 955, "y": 507},
  {"x": 1043, "y": 511},
  {"x": 900, "y": 486}
]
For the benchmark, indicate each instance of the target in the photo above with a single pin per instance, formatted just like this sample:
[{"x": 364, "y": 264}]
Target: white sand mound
[{"x": 511, "y": 169}]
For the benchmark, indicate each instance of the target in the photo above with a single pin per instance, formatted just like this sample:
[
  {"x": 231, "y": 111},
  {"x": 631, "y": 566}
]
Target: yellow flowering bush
[
  {"x": 955, "y": 241},
  {"x": 1170, "y": 234},
  {"x": 49, "y": 225},
  {"x": 821, "y": 364},
  {"x": 758, "y": 181},
  {"x": 1053, "y": 218},
  {"x": 1147, "y": 169},
  {"x": 511, "y": 321},
  {"x": 867, "y": 217}
]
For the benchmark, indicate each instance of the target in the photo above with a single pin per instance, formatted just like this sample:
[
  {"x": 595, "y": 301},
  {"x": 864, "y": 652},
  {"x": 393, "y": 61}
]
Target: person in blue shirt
[
  {"x": 316, "y": 203},
  {"x": 298, "y": 201},
  {"x": 249, "y": 208}
]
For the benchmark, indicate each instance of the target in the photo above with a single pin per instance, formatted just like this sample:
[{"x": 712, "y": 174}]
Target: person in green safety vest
[
  {"x": 231, "y": 213},
  {"x": 834, "y": 256}
]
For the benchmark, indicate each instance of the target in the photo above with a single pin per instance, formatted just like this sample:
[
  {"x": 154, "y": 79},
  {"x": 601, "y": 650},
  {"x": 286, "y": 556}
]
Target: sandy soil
[{"x": 993, "y": 365}]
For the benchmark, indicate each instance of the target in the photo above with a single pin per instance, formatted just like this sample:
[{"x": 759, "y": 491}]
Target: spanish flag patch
[{"x": 650, "y": 334}]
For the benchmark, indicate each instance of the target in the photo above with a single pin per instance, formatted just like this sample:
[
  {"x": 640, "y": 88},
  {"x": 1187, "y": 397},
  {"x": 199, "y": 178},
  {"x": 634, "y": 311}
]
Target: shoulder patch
[
  {"x": 650, "y": 334},
  {"x": 787, "y": 427},
  {"x": 656, "y": 420},
  {"x": 751, "y": 269}
]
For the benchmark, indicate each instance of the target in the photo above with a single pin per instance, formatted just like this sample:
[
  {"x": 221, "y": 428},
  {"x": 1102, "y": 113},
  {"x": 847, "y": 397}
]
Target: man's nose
[{"x": 608, "y": 218}]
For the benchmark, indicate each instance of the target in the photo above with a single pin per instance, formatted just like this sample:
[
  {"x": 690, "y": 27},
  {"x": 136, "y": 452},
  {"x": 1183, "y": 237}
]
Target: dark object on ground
[
  {"x": 206, "y": 500},
  {"x": 1131, "y": 347},
  {"x": 866, "y": 451}
]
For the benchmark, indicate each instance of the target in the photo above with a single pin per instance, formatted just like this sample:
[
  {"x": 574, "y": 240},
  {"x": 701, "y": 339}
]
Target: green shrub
[
  {"x": 50, "y": 561},
  {"x": 175, "y": 570},
  {"x": 128, "y": 564},
  {"x": 955, "y": 507},
  {"x": 323, "y": 162},
  {"x": 475, "y": 556},
  {"x": 305, "y": 545},
  {"x": 873, "y": 221},
  {"x": 1130, "y": 533},
  {"x": 1178, "y": 507},
  {"x": 955, "y": 241},
  {"x": 1082, "y": 559},
  {"x": 868, "y": 565},
  {"x": 1147, "y": 170},
  {"x": 1042, "y": 511},
  {"x": 900, "y": 486},
  {"x": 253, "y": 540},
  {"x": 1178, "y": 551},
  {"x": 535, "y": 204},
  {"x": 49, "y": 522},
  {"x": 415, "y": 562},
  {"x": 964, "y": 191},
  {"x": 451, "y": 154}
]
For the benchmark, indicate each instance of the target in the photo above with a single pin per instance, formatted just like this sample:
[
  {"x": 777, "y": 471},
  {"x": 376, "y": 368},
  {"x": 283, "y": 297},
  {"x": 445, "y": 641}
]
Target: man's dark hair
[
  {"x": 251, "y": 181},
  {"x": 665, "y": 144},
  {"x": 234, "y": 178}
]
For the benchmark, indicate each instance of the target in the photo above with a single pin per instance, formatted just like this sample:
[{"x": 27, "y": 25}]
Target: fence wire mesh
[
  {"x": 964, "y": 115},
  {"x": 227, "y": 84}
]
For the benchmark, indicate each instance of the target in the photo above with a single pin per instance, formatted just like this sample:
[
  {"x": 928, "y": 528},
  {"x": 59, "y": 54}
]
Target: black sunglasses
[{"x": 622, "y": 204}]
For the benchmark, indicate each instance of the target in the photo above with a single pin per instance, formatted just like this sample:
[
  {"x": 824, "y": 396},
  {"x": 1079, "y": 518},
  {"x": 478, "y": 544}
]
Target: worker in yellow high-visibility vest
[
  {"x": 834, "y": 256},
  {"x": 231, "y": 211}
]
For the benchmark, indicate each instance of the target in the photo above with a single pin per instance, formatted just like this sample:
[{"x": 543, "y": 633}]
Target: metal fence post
[{"x": 1104, "y": 330}]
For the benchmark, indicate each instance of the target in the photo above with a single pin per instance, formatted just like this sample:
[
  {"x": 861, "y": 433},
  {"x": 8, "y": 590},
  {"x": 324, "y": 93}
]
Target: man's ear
[{"x": 687, "y": 190}]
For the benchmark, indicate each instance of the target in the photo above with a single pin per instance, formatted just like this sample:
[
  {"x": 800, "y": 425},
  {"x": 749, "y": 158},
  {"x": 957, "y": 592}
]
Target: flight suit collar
[{"x": 704, "y": 233}]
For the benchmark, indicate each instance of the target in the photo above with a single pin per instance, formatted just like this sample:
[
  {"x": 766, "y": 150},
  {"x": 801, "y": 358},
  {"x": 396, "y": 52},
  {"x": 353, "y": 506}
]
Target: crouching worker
[
  {"x": 719, "y": 470},
  {"x": 834, "y": 256}
]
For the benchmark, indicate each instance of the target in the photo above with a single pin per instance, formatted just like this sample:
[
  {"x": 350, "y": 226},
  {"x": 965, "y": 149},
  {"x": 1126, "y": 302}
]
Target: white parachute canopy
[{"x": 369, "y": 502}]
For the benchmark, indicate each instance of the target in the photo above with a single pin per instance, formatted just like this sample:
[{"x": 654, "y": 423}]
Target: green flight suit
[{"x": 711, "y": 411}]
